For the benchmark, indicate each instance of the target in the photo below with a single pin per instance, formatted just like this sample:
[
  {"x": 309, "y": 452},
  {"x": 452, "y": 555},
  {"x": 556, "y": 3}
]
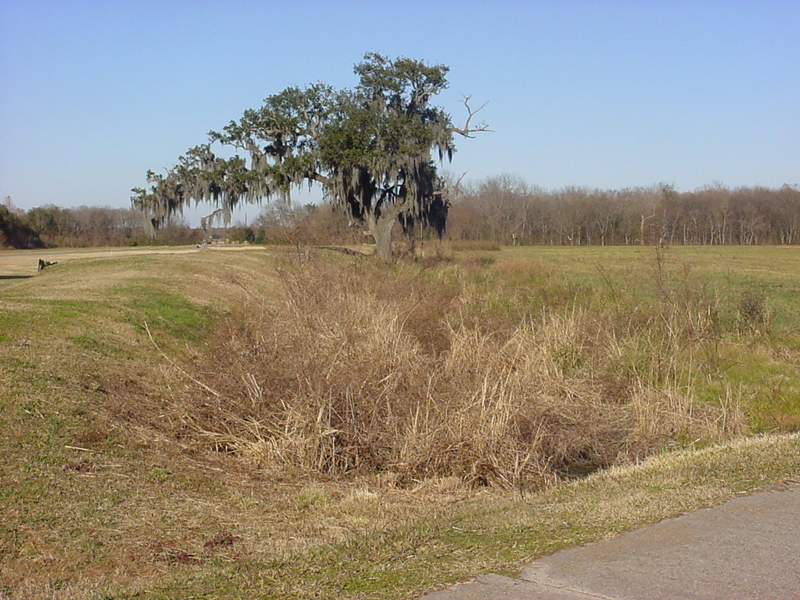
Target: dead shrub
[
  {"x": 344, "y": 379},
  {"x": 752, "y": 313}
]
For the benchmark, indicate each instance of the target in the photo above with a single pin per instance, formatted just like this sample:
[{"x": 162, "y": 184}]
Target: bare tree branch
[
  {"x": 454, "y": 188},
  {"x": 466, "y": 130},
  {"x": 320, "y": 178}
]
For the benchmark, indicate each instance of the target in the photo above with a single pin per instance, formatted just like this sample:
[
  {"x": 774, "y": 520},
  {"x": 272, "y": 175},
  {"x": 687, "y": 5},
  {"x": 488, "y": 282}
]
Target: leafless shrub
[{"x": 360, "y": 372}]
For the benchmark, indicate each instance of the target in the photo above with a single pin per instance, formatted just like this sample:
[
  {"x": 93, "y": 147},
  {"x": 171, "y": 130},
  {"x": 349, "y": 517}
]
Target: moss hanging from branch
[{"x": 370, "y": 148}]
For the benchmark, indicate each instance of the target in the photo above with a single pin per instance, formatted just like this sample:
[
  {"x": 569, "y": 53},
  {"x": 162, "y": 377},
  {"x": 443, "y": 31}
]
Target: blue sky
[{"x": 600, "y": 94}]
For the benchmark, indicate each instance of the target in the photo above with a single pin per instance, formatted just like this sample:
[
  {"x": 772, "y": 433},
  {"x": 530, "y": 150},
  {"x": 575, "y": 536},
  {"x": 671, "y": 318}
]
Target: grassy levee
[
  {"x": 251, "y": 425},
  {"x": 86, "y": 480}
]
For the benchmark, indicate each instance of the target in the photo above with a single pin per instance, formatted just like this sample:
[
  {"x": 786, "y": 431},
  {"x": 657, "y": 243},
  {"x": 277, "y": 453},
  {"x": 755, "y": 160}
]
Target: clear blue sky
[{"x": 600, "y": 94}]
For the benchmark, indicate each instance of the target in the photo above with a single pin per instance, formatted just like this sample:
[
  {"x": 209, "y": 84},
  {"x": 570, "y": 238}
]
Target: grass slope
[{"x": 109, "y": 492}]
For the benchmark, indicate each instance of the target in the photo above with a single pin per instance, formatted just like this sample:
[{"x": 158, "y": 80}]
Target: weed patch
[{"x": 361, "y": 371}]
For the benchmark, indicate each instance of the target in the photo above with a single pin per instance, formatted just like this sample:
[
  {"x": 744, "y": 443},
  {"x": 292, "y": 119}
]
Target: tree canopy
[
  {"x": 14, "y": 232},
  {"x": 373, "y": 149}
]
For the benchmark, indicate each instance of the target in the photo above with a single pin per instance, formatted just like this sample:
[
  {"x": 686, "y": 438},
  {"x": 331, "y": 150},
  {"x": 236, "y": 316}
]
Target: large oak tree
[{"x": 374, "y": 150}]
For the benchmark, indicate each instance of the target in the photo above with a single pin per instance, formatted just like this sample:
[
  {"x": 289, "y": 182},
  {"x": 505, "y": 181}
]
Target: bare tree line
[
  {"x": 507, "y": 210},
  {"x": 502, "y": 209}
]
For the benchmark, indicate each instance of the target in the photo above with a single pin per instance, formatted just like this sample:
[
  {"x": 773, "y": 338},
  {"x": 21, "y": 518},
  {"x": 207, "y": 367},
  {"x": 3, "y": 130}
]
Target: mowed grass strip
[
  {"x": 497, "y": 533},
  {"x": 109, "y": 491}
]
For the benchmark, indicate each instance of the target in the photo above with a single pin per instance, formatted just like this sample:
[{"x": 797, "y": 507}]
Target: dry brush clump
[{"x": 368, "y": 369}]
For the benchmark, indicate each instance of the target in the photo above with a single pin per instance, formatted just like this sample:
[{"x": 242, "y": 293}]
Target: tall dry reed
[{"x": 365, "y": 368}]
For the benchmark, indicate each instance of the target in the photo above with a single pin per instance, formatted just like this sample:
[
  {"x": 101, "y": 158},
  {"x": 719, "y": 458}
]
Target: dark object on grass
[{"x": 45, "y": 263}]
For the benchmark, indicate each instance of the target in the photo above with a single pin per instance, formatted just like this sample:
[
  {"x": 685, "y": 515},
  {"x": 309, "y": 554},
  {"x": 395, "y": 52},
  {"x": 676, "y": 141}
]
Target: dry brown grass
[
  {"x": 473, "y": 245},
  {"x": 365, "y": 370}
]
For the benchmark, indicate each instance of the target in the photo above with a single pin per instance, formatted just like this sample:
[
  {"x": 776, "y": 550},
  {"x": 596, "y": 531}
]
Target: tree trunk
[{"x": 380, "y": 228}]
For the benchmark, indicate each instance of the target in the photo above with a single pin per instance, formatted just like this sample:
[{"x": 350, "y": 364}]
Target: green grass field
[{"x": 168, "y": 419}]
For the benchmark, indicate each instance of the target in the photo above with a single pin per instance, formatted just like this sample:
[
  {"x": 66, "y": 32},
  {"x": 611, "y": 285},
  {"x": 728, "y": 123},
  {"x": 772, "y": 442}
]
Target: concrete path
[{"x": 747, "y": 548}]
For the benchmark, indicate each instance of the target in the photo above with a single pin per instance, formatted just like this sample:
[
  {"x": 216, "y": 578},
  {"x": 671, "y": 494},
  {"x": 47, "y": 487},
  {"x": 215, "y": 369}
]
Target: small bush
[{"x": 752, "y": 313}]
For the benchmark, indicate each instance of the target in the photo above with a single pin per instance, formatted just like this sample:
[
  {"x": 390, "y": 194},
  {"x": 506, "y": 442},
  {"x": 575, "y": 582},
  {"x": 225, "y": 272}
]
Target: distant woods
[
  {"x": 502, "y": 209},
  {"x": 84, "y": 226},
  {"x": 508, "y": 211},
  {"x": 14, "y": 231}
]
